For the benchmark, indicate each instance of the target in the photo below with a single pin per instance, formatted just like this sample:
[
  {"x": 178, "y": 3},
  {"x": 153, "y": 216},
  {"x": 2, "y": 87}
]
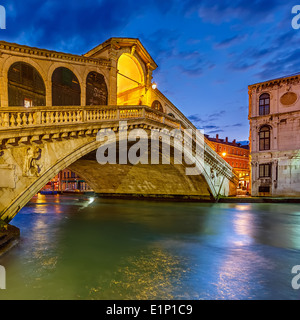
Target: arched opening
[
  {"x": 25, "y": 86},
  {"x": 96, "y": 90},
  {"x": 264, "y": 104},
  {"x": 65, "y": 88},
  {"x": 157, "y": 106},
  {"x": 264, "y": 138},
  {"x": 130, "y": 81}
]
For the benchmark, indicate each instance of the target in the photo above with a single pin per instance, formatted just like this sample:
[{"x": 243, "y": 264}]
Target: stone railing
[{"x": 18, "y": 117}]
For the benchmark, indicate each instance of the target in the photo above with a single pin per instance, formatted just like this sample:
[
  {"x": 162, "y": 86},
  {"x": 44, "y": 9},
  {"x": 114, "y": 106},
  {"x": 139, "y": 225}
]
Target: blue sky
[{"x": 208, "y": 52}]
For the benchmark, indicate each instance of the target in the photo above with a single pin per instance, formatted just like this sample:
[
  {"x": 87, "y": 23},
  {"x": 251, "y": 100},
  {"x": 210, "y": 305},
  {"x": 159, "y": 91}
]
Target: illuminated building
[
  {"x": 236, "y": 155},
  {"x": 274, "y": 115},
  {"x": 66, "y": 181}
]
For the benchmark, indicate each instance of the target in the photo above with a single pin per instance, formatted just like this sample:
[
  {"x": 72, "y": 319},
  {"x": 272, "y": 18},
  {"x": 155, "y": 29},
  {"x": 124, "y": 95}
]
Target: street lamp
[
  {"x": 224, "y": 154},
  {"x": 154, "y": 86}
]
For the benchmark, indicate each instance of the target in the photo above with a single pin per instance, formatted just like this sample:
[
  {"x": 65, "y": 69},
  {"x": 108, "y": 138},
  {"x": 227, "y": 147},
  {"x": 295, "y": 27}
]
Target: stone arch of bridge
[{"x": 76, "y": 154}]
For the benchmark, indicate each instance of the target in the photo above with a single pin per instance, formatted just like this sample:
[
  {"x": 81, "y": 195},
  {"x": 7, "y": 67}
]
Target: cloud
[
  {"x": 207, "y": 118},
  {"x": 235, "y": 125},
  {"x": 226, "y": 10},
  {"x": 162, "y": 43},
  {"x": 229, "y": 42},
  {"x": 281, "y": 65},
  {"x": 209, "y": 122},
  {"x": 214, "y": 131},
  {"x": 195, "y": 118},
  {"x": 192, "y": 63},
  {"x": 74, "y": 26}
]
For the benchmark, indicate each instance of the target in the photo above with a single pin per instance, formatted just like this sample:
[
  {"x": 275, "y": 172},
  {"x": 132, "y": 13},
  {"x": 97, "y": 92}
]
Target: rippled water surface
[{"x": 79, "y": 247}]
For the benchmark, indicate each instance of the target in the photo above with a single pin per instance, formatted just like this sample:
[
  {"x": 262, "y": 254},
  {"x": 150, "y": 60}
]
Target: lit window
[
  {"x": 27, "y": 103},
  {"x": 157, "y": 106}
]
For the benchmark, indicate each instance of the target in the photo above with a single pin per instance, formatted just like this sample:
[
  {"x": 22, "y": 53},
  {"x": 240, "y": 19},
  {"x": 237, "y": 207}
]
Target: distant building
[
  {"x": 274, "y": 115},
  {"x": 236, "y": 155},
  {"x": 66, "y": 181}
]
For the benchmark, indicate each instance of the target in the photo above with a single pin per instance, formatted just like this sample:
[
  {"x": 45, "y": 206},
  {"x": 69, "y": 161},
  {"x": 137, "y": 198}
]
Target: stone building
[
  {"x": 116, "y": 72},
  {"x": 237, "y": 156},
  {"x": 66, "y": 181},
  {"x": 274, "y": 115}
]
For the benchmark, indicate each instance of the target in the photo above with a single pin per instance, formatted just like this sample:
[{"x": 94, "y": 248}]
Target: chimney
[
  {"x": 234, "y": 141},
  {"x": 217, "y": 137},
  {"x": 226, "y": 140}
]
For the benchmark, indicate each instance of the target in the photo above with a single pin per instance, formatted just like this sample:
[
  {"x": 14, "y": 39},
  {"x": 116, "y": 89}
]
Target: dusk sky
[{"x": 208, "y": 52}]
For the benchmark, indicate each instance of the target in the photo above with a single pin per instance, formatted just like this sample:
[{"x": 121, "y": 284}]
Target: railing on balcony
[{"x": 18, "y": 117}]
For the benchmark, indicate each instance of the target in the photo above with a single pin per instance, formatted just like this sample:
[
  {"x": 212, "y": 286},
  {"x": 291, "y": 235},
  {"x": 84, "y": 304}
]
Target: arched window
[
  {"x": 25, "y": 86},
  {"x": 157, "y": 106},
  {"x": 65, "y": 88},
  {"x": 96, "y": 90},
  {"x": 264, "y": 104},
  {"x": 264, "y": 138}
]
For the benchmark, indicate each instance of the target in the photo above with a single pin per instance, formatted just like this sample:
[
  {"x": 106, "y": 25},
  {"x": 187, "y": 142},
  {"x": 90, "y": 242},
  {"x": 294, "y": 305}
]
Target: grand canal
[{"x": 80, "y": 247}]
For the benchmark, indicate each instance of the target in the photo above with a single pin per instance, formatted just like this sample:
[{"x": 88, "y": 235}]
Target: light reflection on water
[{"x": 76, "y": 247}]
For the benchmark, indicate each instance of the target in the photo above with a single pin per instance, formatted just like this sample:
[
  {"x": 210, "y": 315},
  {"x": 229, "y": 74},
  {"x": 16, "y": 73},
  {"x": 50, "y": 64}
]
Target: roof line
[{"x": 279, "y": 78}]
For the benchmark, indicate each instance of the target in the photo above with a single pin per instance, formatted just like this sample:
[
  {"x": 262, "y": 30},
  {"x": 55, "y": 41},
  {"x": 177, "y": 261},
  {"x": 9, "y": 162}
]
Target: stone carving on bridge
[{"x": 32, "y": 166}]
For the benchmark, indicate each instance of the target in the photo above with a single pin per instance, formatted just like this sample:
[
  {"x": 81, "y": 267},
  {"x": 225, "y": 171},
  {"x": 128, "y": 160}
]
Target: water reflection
[{"x": 87, "y": 248}]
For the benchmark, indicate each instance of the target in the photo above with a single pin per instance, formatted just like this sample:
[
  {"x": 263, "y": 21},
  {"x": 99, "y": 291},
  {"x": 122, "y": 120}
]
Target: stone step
[{"x": 8, "y": 238}]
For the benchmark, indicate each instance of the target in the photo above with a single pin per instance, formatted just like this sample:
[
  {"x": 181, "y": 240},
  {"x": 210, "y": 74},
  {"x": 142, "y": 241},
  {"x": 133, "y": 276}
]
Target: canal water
[{"x": 80, "y": 247}]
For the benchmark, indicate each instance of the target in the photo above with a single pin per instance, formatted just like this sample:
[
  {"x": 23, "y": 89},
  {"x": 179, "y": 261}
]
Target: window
[
  {"x": 27, "y": 103},
  {"x": 264, "y": 138},
  {"x": 265, "y": 170},
  {"x": 157, "y": 106},
  {"x": 264, "y": 189},
  {"x": 264, "y": 104}
]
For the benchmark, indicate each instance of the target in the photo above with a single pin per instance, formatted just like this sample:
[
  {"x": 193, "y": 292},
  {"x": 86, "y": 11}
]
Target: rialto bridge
[{"x": 53, "y": 105}]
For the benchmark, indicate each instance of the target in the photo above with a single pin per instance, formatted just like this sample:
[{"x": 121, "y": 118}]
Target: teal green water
[{"x": 78, "y": 247}]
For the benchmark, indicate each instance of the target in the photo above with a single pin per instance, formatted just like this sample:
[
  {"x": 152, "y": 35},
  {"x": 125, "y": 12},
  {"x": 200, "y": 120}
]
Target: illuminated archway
[{"x": 130, "y": 81}]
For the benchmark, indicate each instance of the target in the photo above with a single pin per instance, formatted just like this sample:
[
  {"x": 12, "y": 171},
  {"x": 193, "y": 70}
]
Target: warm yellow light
[
  {"x": 224, "y": 154},
  {"x": 129, "y": 73},
  {"x": 154, "y": 85}
]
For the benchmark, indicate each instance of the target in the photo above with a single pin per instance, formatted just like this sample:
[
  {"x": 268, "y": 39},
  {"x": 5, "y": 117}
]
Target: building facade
[
  {"x": 274, "y": 115},
  {"x": 116, "y": 72},
  {"x": 66, "y": 181},
  {"x": 237, "y": 156}
]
